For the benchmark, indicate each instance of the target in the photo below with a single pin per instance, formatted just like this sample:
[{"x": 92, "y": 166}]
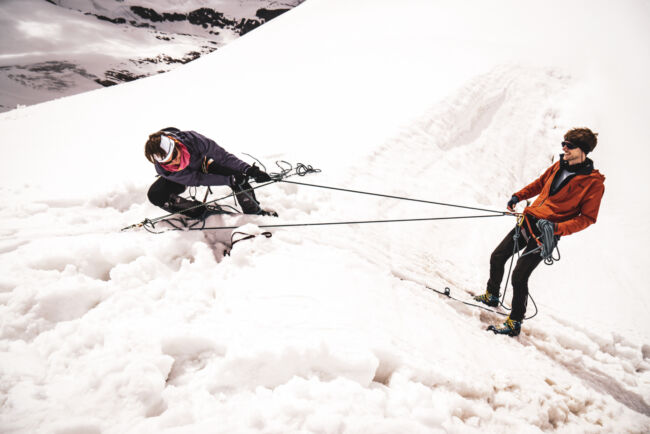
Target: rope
[
  {"x": 515, "y": 251},
  {"x": 286, "y": 170},
  {"x": 358, "y": 222},
  {"x": 546, "y": 247},
  {"x": 402, "y": 198},
  {"x": 447, "y": 293},
  {"x": 155, "y": 220},
  {"x": 549, "y": 243},
  {"x": 245, "y": 236},
  {"x": 150, "y": 225}
]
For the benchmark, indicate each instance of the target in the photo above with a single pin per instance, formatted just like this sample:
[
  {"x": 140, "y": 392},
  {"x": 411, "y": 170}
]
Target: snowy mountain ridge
[
  {"x": 203, "y": 17},
  {"x": 45, "y": 52}
]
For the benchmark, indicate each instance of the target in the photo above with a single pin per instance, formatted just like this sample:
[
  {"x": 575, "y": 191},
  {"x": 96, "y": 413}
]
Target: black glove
[
  {"x": 258, "y": 175},
  {"x": 237, "y": 179},
  {"x": 512, "y": 202}
]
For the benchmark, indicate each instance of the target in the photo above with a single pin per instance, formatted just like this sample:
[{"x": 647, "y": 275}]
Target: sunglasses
[{"x": 569, "y": 145}]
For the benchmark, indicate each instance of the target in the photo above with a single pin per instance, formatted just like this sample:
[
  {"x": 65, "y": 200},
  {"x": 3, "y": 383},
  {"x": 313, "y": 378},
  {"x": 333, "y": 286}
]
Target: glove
[
  {"x": 238, "y": 179},
  {"x": 259, "y": 176},
  {"x": 512, "y": 202}
]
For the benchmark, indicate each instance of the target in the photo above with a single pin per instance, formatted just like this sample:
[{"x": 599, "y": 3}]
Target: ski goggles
[
  {"x": 167, "y": 145},
  {"x": 569, "y": 145}
]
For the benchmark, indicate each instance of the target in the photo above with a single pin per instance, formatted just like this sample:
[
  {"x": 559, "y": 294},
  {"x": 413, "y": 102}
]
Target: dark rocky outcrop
[
  {"x": 269, "y": 14},
  {"x": 114, "y": 77},
  {"x": 147, "y": 14},
  {"x": 110, "y": 20},
  {"x": 209, "y": 18},
  {"x": 205, "y": 17},
  {"x": 246, "y": 25},
  {"x": 174, "y": 16}
]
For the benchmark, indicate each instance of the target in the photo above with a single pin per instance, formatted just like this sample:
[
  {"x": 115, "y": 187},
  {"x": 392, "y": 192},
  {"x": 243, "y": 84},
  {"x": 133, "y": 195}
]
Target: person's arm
[
  {"x": 589, "y": 208},
  {"x": 223, "y": 162},
  {"x": 535, "y": 187},
  {"x": 191, "y": 178}
]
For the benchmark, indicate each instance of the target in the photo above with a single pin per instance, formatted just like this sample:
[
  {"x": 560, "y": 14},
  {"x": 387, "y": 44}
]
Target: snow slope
[{"x": 332, "y": 329}]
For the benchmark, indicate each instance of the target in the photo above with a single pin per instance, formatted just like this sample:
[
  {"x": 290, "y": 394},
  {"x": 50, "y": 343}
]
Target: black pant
[
  {"x": 162, "y": 189},
  {"x": 523, "y": 269},
  {"x": 164, "y": 193}
]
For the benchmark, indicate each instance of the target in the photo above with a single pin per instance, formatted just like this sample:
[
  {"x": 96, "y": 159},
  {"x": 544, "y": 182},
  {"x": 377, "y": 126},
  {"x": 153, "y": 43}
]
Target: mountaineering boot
[
  {"x": 267, "y": 212},
  {"x": 487, "y": 298},
  {"x": 189, "y": 208},
  {"x": 246, "y": 197},
  {"x": 247, "y": 201},
  {"x": 510, "y": 328}
]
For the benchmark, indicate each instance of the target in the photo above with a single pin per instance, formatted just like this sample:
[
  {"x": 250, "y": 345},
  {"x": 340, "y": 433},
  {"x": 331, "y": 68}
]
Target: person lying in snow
[
  {"x": 569, "y": 199},
  {"x": 187, "y": 158}
]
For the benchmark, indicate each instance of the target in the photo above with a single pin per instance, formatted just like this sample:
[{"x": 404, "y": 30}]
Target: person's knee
[
  {"x": 519, "y": 278},
  {"x": 498, "y": 258},
  {"x": 157, "y": 196}
]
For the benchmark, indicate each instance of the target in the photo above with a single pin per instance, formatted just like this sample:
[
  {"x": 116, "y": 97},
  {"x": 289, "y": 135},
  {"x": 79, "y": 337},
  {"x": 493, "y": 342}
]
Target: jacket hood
[{"x": 596, "y": 174}]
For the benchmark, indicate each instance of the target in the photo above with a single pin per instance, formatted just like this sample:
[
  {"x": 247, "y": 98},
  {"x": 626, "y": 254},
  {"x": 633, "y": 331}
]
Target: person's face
[
  {"x": 572, "y": 156},
  {"x": 176, "y": 157}
]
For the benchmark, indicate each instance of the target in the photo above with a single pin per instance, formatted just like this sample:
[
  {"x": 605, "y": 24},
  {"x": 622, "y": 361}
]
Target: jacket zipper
[{"x": 564, "y": 184}]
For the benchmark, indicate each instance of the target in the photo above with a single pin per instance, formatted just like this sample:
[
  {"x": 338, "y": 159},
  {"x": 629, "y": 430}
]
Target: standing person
[
  {"x": 569, "y": 198},
  {"x": 187, "y": 158}
]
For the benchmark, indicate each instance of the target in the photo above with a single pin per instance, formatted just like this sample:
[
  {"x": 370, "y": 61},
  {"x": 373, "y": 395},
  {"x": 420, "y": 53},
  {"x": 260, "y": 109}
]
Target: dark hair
[
  {"x": 584, "y": 138},
  {"x": 152, "y": 147}
]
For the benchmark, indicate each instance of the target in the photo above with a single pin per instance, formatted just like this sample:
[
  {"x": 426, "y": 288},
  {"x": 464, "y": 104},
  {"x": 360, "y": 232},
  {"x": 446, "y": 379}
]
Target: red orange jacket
[{"x": 574, "y": 206}]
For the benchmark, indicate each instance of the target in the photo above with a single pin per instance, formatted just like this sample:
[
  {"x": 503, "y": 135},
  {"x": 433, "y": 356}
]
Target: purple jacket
[{"x": 199, "y": 147}]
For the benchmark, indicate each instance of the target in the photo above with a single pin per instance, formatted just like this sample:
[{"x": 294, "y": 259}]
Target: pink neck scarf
[{"x": 184, "y": 161}]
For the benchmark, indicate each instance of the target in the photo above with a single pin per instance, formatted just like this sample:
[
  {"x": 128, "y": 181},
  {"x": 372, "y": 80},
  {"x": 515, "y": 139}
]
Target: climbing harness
[
  {"x": 548, "y": 241},
  {"x": 545, "y": 246}
]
